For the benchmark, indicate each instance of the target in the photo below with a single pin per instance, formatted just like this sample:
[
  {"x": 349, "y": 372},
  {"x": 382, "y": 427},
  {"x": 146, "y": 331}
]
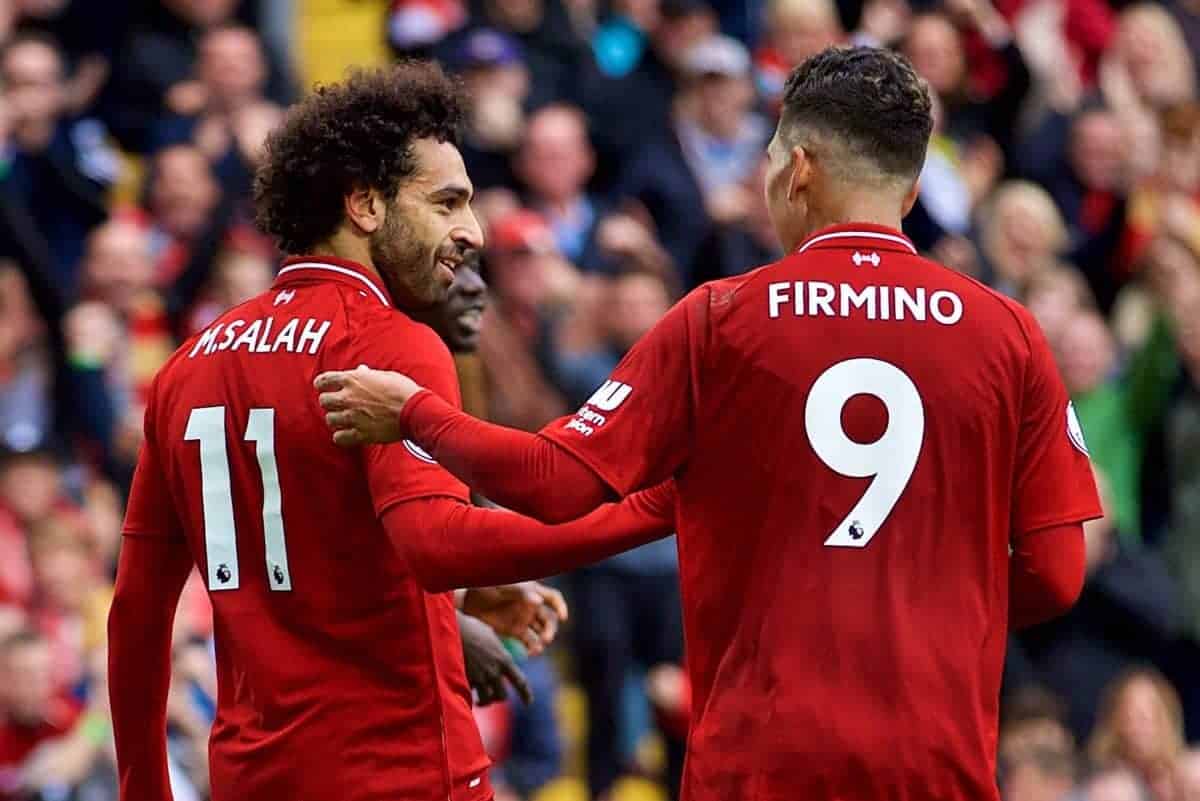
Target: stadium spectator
[
  {"x": 529, "y": 278},
  {"x": 1037, "y": 759},
  {"x": 155, "y": 72},
  {"x": 117, "y": 339},
  {"x": 34, "y": 709},
  {"x": 795, "y": 30},
  {"x": 691, "y": 175},
  {"x": 630, "y": 103},
  {"x": 555, "y": 163},
  {"x": 1022, "y": 234},
  {"x": 231, "y": 74},
  {"x": 61, "y": 167},
  {"x": 26, "y": 403},
  {"x": 974, "y": 115},
  {"x": 1140, "y": 727},
  {"x": 498, "y": 82}
]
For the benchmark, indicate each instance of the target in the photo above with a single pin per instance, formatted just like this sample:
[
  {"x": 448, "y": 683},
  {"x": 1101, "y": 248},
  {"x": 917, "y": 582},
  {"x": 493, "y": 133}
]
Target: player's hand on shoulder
[
  {"x": 529, "y": 611},
  {"x": 489, "y": 664},
  {"x": 363, "y": 405}
]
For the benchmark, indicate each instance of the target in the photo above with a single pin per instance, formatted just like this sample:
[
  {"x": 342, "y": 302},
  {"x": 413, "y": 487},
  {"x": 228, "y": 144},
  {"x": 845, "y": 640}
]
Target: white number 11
[
  {"x": 207, "y": 426},
  {"x": 890, "y": 460}
]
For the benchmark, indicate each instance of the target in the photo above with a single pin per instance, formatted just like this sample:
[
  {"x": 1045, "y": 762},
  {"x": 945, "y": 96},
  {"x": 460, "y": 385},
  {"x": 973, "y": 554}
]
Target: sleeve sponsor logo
[
  {"x": 419, "y": 452},
  {"x": 610, "y": 395},
  {"x": 1075, "y": 431}
]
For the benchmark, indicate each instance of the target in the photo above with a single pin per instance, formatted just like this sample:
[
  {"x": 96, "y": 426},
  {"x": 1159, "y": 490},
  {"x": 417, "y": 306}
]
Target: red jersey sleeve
[
  {"x": 635, "y": 430},
  {"x": 404, "y": 471},
  {"x": 1054, "y": 483},
  {"x": 150, "y": 512}
]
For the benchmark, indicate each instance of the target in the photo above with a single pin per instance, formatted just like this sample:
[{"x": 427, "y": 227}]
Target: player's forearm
[
  {"x": 1046, "y": 573},
  {"x": 139, "y": 663},
  {"x": 522, "y": 471},
  {"x": 449, "y": 544}
]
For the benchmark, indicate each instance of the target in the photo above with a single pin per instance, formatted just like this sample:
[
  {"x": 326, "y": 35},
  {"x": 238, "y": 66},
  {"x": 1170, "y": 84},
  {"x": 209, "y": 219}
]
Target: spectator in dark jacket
[
  {"x": 61, "y": 167},
  {"x": 693, "y": 174},
  {"x": 156, "y": 69}
]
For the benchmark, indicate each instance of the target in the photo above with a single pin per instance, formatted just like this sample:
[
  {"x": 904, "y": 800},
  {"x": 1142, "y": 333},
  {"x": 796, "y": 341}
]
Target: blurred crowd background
[{"x": 617, "y": 150}]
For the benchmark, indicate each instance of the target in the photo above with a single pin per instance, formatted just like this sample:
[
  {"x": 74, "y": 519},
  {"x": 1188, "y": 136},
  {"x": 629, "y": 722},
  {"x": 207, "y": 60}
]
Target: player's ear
[
  {"x": 910, "y": 199},
  {"x": 365, "y": 208},
  {"x": 801, "y": 171}
]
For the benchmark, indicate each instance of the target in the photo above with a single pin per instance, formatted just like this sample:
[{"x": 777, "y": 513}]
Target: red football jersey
[
  {"x": 339, "y": 678},
  {"x": 855, "y": 432}
]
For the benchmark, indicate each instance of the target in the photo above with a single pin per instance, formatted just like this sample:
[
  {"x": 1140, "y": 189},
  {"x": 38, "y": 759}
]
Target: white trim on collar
[
  {"x": 316, "y": 265},
  {"x": 899, "y": 240}
]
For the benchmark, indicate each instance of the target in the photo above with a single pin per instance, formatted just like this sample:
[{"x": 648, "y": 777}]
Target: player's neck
[
  {"x": 338, "y": 247},
  {"x": 863, "y": 208}
]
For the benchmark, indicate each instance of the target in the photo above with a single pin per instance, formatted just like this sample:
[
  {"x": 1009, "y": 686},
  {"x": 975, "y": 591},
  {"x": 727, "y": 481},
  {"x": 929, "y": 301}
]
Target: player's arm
[
  {"x": 450, "y": 544},
  {"x": 1054, "y": 492},
  {"x": 153, "y": 567},
  {"x": 633, "y": 433},
  {"x": 1046, "y": 572}
]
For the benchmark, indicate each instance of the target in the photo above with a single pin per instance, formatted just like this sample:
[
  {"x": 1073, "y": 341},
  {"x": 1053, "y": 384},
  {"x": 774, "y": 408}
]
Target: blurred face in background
[
  {"x": 1115, "y": 785},
  {"x": 638, "y": 302},
  {"x": 63, "y": 567},
  {"x": 33, "y": 84},
  {"x": 934, "y": 46},
  {"x": 459, "y": 318},
  {"x": 184, "y": 191},
  {"x": 27, "y": 683},
  {"x": 242, "y": 275},
  {"x": 1037, "y": 761},
  {"x": 676, "y": 35},
  {"x": 202, "y": 13},
  {"x": 497, "y": 92},
  {"x": 1086, "y": 352},
  {"x": 30, "y": 486},
  {"x": 1053, "y": 298},
  {"x": 801, "y": 28},
  {"x": 1151, "y": 47},
  {"x": 1023, "y": 233},
  {"x": 117, "y": 266},
  {"x": 519, "y": 16},
  {"x": 722, "y": 103},
  {"x": 556, "y": 159},
  {"x": 232, "y": 66},
  {"x": 1143, "y": 725},
  {"x": 1099, "y": 150}
]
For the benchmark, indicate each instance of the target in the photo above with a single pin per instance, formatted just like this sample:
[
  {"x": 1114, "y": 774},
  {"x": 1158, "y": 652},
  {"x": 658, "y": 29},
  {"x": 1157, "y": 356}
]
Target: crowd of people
[{"x": 618, "y": 155}]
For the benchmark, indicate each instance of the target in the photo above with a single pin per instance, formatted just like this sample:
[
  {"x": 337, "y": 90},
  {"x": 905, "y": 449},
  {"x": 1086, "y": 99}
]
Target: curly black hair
[
  {"x": 353, "y": 134},
  {"x": 870, "y": 99}
]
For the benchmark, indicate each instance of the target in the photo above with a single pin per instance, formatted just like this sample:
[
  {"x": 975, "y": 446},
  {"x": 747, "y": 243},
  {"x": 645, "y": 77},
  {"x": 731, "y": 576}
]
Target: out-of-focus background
[{"x": 617, "y": 149}]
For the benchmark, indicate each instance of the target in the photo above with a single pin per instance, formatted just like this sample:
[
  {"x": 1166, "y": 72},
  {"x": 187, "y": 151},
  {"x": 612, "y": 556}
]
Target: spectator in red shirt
[{"x": 33, "y": 711}]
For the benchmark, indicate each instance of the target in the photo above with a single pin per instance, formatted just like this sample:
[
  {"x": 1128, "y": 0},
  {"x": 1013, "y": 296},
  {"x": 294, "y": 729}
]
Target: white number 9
[{"x": 890, "y": 459}]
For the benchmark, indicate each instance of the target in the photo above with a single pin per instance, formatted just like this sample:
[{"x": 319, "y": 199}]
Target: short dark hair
[
  {"x": 353, "y": 134},
  {"x": 871, "y": 100}
]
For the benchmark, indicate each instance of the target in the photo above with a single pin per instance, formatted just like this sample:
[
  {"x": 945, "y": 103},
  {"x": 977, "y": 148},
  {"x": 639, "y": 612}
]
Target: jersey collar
[
  {"x": 857, "y": 235},
  {"x": 331, "y": 268}
]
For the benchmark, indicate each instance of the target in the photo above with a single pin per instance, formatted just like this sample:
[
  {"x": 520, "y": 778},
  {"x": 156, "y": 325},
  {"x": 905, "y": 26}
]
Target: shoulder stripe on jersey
[
  {"x": 344, "y": 271},
  {"x": 857, "y": 235}
]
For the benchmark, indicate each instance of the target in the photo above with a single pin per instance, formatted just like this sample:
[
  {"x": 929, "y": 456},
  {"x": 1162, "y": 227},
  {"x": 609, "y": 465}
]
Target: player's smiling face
[{"x": 429, "y": 227}]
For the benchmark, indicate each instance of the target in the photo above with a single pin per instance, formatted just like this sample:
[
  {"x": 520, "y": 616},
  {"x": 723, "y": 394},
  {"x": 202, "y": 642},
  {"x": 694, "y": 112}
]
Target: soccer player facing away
[
  {"x": 858, "y": 436},
  {"x": 339, "y": 675}
]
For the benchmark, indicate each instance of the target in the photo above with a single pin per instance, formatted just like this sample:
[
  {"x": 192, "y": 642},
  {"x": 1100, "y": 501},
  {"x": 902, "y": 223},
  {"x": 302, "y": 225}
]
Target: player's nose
[{"x": 469, "y": 235}]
